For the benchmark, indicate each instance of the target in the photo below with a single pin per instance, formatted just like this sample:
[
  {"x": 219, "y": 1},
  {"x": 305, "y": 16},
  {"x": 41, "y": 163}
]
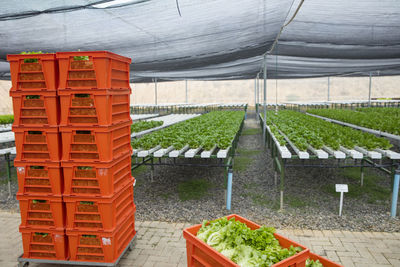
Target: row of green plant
[
  {"x": 140, "y": 126},
  {"x": 304, "y": 130},
  {"x": 381, "y": 119},
  {"x": 6, "y": 119},
  {"x": 214, "y": 128}
]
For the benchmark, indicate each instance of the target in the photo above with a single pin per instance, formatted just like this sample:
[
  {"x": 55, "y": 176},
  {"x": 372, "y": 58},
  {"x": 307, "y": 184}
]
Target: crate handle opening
[
  {"x": 31, "y": 60},
  {"x": 85, "y": 168},
  {"x": 83, "y": 132},
  {"x": 37, "y": 167},
  {"x": 86, "y": 203},
  {"x": 82, "y": 95},
  {"x": 41, "y": 234},
  {"x": 34, "y": 132},
  {"x": 90, "y": 236},
  {"x": 79, "y": 58},
  {"x": 33, "y": 97},
  {"x": 39, "y": 201}
]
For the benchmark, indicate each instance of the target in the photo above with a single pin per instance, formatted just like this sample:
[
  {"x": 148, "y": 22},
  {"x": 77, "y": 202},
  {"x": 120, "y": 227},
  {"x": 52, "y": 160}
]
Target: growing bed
[
  {"x": 298, "y": 140},
  {"x": 212, "y": 137}
]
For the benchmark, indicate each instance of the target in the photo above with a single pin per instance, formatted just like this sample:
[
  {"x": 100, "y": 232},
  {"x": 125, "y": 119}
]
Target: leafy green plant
[
  {"x": 6, "y": 119},
  {"x": 242, "y": 245},
  {"x": 140, "y": 126},
  {"x": 304, "y": 130},
  {"x": 31, "y": 60},
  {"x": 312, "y": 263},
  {"x": 214, "y": 128},
  {"x": 380, "y": 119}
]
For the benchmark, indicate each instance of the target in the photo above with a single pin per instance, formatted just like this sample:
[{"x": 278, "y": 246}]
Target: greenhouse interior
[{"x": 200, "y": 133}]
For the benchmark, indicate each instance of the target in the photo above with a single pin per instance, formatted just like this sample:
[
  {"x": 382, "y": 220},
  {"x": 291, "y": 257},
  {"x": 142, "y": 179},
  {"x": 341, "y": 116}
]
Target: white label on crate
[
  {"x": 342, "y": 188},
  {"x": 58, "y": 237},
  {"x": 21, "y": 170},
  {"x": 106, "y": 241},
  {"x": 102, "y": 172}
]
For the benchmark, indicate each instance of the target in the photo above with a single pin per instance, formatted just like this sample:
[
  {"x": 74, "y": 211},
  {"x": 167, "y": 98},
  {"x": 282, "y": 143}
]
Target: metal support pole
[
  {"x": 229, "y": 190},
  {"x": 265, "y": 97},
  {"x": 258, "y": 93},
  {"x": 152, "y": 170},
  {"x": 395, "y": 193},
  {"x": 341, "y": 203},
  {"x": 362, "y": 173},
  {"x": 155, "y": 91},
  {"x": 329, "y": 84},
  {"x": 186, "y": 92},
  {"x": 369, "y": 94},
  {"x": 255, "y": 95},
  {"x": 282, "y": 184}
]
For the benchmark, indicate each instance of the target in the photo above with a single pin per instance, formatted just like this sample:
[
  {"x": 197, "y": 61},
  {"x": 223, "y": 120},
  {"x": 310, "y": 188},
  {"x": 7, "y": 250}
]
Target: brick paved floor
[{"x": 161, "y": 244}]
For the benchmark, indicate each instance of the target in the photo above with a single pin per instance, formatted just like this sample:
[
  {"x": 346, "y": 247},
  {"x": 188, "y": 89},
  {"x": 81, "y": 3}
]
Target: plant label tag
[{"x": 342, "y": 188}]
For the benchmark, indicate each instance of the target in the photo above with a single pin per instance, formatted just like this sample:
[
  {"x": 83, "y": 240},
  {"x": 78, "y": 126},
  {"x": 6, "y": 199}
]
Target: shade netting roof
[{"x": 213, "y": 39}]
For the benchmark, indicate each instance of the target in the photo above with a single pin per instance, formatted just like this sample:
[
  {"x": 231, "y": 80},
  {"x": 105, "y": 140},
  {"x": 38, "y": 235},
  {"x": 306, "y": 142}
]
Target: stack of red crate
[
  {"x": 37, "y": 140},
  {"x": 95, "y": 126}
]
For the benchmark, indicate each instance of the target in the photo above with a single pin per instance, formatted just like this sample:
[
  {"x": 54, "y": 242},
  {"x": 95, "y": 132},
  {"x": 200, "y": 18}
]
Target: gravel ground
[{"x": 255, "y": 195}]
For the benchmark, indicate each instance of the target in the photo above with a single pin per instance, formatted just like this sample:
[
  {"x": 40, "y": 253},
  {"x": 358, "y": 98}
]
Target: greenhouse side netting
[{"x": 210, "y": 40}]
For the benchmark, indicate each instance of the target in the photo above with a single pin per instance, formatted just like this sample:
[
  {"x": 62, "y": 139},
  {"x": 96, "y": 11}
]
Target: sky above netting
[{"x": 213, "y": 39}]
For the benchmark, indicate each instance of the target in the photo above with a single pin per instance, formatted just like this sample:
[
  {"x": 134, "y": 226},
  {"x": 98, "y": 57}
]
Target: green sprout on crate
[{"x": 31, "y": 60}]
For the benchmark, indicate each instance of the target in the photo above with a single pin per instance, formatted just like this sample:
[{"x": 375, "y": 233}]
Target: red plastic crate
[
  {"x": 105, "y": 246},
  {"x": 41, "y": 75},
  {"x": 99, "y": 213},
  {"x": 37, "y": 143},
  {"x": 35, "y": 108},
  {"x": 95, "y": 144},
  {"x": 41, "y": 211},
  {"x": 95, "y": 107},
  {"x": 324, "y": 261},
  {"x": 44, "y": 244},
  {"x": 102, "y": 70},
  {"x": 96, "y": 179},
  {"x": 201, "y": 254},
  {"x": 38, "y": 178}
]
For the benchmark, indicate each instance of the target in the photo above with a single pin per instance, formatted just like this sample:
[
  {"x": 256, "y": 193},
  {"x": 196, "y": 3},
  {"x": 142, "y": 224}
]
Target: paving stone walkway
[{"x": 161, "y": 244}]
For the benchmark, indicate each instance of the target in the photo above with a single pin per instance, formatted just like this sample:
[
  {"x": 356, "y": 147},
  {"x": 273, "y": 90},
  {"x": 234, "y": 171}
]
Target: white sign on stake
[{"x": 342, "y": 188}]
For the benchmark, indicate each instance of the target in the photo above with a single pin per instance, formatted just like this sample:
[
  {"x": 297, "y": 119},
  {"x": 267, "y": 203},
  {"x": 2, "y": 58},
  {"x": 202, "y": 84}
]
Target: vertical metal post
[
  {"x": 369, "y": 94},
  {"x": 341, "y": 203},
  {"x": 255, "y": 95},
  {"x": 265, "y": 97},
  {"x": 258, "y": 92},
  {"x": 155, "y": 91},
  {"x": 229, "y": 190},
  {"x": 282, "y": 185},
  {"x": 186, "y": 92},
  {"x": 152, "y": 170},
  {"x": 395, "y": 193},
  {"x": 362, "y": 173},
  {"x": 329, "y": 85}
]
